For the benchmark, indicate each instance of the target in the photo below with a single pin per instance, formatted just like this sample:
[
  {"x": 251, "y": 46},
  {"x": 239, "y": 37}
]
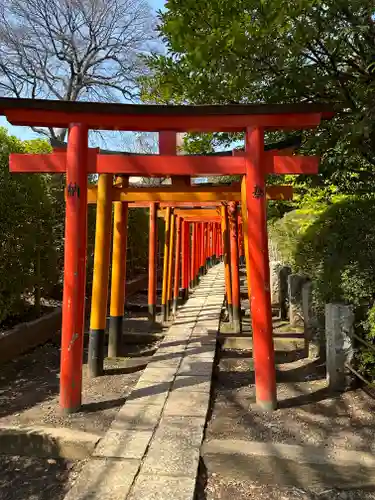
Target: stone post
[
  {"x": 339, "y": 321},
  {"x": 295, "y": 284},
  {"x": 275, "y": 267},
  {"x": 284, "y": 272},
  {"x": 312, "y": 347}
]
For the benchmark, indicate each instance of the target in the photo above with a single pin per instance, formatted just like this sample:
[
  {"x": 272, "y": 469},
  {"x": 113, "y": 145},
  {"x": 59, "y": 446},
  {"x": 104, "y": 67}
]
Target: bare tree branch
[{"x": 73, "y": 49}]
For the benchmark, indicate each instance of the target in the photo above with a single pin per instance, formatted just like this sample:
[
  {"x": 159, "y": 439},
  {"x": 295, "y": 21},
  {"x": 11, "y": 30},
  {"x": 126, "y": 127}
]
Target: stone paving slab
[
  {"x": 138, "y": 415},
  {"x": 163, "y": 487},
  {"x": 195, "y": 383},
  {"x": 175, "y": 448},
  {"x": 150, "y": 392},
  {"x": 124, "y": 443},
  {"x": 104, "y": 479},
  {"x": 187, "y": 403},
  {"x": 152, "y": 449},
  {"x": 195, "y": 366},
  {"x": 158, "y": 374}
]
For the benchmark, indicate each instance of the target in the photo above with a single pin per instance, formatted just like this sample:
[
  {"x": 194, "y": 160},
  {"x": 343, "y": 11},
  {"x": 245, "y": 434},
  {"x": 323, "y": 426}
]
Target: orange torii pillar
[
  {"x": 74, "y": 269},
  {"x": 99, "y": 299},
  {"x": 199, "y": 252},
  {"x": 193, "y": 254},
  {"x": 245, "y": 236},
  {"x": 188, "y": 265},
  {"x": 213, "y": 243},
  {"x": 241, "y": 250},
  {"x": 226, "y": 254},
  {"x": 164, "y": 290},
  {"x": 118, "y": 278},
  {"x": 152, "y": 264},
  {"x": 219, "y": 243},
  {"x": 209, "y": 246},
  {"x": 202, "y": 269},
  {"x": 185, "y": 260},
  {"x": 215, "y": 252},
  {"x": 234, "y": 261},
  {"x": 170, "y": 263},
  {"x": 176, "y": 289}
]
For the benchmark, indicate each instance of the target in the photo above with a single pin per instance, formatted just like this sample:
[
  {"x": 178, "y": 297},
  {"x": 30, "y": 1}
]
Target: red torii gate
[{"x": 79, "y": 160}]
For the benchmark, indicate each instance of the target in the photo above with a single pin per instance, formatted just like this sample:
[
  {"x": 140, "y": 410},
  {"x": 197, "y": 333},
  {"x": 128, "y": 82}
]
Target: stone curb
[{"x": 47, "y": 442}]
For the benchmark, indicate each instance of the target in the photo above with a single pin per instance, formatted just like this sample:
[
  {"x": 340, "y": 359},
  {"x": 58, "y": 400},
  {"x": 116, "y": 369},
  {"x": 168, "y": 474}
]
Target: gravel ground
[
  {"x": 216, "y": 487},
  {"x": 29, "y": 387},
  {"x": 30, "y": 478},
  {"x": 307, "y": 413}
]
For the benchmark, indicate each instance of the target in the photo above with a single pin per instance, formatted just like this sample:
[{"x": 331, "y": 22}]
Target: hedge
[
  {"x": 32, "y": 215},
  {"x": 334, "y": 244}
]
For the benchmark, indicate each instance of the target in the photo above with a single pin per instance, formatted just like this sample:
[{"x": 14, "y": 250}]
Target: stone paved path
[{"x": 151, "y": 451}]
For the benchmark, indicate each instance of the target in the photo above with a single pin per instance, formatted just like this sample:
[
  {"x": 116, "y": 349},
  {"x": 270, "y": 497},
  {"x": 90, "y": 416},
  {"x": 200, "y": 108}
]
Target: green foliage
[
  {"x": 334, "y": 244},
  {"x": 26, "y": 228},
  {"x": 273, "y": 51},
  {"x": 138, "y": 227}
]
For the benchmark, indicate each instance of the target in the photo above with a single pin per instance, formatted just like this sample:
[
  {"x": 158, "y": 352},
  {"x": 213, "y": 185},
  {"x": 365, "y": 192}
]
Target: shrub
[
  {"x": 334, "y": 244},
  {"x": 26, "y": 229}
]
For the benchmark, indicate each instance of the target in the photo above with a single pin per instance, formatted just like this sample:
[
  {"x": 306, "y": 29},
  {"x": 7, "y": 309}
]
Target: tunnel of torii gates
[{"x": 253, "y": 164}]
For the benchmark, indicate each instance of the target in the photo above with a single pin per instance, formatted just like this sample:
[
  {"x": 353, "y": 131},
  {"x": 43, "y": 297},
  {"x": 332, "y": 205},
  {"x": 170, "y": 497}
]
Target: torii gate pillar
[
  {"x": 261, "y": 312},
  {"x": 74, "y": 269}
]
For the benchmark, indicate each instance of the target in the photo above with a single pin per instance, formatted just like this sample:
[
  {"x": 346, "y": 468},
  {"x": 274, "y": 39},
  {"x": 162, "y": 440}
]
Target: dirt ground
[
  {"x": 307, "y": 415},
  {"x": 31, "y": 478},
  {"x": 29, "y": 386},
  {"x": 216, "y": 487}
]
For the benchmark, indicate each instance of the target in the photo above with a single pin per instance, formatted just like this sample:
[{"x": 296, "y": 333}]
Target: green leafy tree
[{"x": 273, "y": 51}]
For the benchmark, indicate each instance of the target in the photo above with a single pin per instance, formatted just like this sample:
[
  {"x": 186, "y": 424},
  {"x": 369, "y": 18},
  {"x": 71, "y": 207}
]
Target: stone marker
[
  {"x": 339, "y": 321},
  {"x": 295, "y": 284},
  {"x": 312, "y": 346},
  {"x": 284, "y": 272},
  {"x": 275, "y": 267}
]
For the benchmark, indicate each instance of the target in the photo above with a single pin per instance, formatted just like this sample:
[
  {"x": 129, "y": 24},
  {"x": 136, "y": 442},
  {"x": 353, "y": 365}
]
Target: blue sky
[{"x": 25, "y": 132}]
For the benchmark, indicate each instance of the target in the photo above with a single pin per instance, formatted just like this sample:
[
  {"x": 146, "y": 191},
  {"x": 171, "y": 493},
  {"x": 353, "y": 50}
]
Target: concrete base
[
  {"x": 47, "y": 442},
  {"x": 289, "y": 465}
]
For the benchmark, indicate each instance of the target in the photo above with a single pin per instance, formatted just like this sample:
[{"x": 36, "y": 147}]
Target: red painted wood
[
  {"x": 292, "y": 165},
  {"x": 188, "y": 250},
  {"x": 177, "y": 260},
  {"x": 203, "y": 244},
  {"x": 152, "y": 123},
  {"x": 198, "y": 249},
  {"x": 161, "y": 165},
  {"x": 152, "y": 255},
  {"x": 264, "y": 361},
  {"x": 193, "y": 254},
  {"x": 233, "y": 233},
  {"x": 167, "y": 142},
  {"x": 74, "y": 270},
  {"x": 152, "y": 165},
  {"x": 185, "y": 256}
]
